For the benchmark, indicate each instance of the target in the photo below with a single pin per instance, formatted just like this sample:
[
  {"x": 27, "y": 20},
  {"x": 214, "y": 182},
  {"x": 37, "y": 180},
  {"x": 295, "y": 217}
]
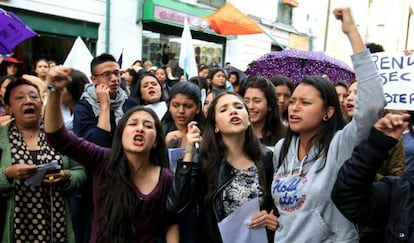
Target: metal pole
[
  {"x": 327, "y": 25},
  {"x": 107, "y": 25}
]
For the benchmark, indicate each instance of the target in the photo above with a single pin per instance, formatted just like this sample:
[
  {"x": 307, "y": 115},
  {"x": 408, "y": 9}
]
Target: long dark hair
[
  {"x": 35, "y": 64},
  {"x": 191, "y": 91},
  {"x": 237, "y": 77},
  {"x": 278, "y": 80},
  {"x": 117, "y": 191},
  {"x": 140, "y": 101},
  {"x": 273, "y": 126},
  {"x": 212, "y": 150},
  {"x": 327, "y": 130},
  {"x": 213, "y": 72},
  {"x": 75, "y": 88}
]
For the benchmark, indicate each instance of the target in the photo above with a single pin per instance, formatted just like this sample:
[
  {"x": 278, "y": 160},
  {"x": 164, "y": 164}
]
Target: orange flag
[{"x": 228, "y": 20}]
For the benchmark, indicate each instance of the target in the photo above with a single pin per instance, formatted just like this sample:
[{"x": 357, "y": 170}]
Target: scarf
[{"x": 89, "y": 95}]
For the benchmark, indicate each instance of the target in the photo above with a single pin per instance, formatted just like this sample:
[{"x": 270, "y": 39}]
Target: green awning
[{"x": 158, "y": 13}]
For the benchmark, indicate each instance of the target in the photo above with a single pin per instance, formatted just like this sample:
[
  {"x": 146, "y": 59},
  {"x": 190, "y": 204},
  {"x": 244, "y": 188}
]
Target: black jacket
[
  {"x": 386, "y": 204},
  {"x": 188, "y": 191}
]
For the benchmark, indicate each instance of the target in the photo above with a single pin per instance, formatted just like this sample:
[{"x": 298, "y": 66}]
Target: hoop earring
[
  {"x": 216, "y": 130},
  {"x": 325, "y": 118}
]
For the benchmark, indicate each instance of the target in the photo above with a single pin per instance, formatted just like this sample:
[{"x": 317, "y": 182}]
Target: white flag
[
  {"x": 79, "y": 57},
  {"x": 187, "y": 57}
]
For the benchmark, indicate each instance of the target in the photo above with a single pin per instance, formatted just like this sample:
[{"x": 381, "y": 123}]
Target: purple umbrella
[
  {"x": 12, "y": 31},
  {"x": 297, "y": 64}
]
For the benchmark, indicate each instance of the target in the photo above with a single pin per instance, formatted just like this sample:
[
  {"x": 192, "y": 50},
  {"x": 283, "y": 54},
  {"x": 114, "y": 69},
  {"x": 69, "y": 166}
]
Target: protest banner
[{"x": 397, "y": 74}]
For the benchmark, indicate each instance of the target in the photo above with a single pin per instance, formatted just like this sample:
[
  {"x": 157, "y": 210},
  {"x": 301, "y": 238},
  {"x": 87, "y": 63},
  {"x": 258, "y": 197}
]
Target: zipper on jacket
[{"x": 217, "y": 191}]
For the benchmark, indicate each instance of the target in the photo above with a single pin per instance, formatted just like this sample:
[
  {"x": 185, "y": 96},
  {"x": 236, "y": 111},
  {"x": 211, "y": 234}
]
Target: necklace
[{"x": 30, "y": 133}]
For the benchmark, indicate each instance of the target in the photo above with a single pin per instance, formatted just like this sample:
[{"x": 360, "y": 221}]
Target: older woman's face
[{"x": 25, "y": 105}]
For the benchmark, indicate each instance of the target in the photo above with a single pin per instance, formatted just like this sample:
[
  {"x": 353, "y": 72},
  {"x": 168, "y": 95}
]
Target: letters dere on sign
[
  {"x": 395, "y": 62},
  {"x": 399, "y": 98},
  {"x": 395, "y": 68},
  {"x": 395, "y": 76}
]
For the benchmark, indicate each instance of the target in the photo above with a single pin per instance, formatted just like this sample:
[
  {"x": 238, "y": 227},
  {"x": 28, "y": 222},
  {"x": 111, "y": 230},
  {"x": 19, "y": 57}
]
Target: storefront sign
[{"x": 172, "y": 16}]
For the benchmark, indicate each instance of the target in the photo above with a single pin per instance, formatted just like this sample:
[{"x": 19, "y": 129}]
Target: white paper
[
  {"x": 159, "y": 108},
  {"x": 175, "y": 154},
  {"x": 203, "y": 98},
  {"x": 235, "y": 227},
  {"x": 36, "y": 179}
]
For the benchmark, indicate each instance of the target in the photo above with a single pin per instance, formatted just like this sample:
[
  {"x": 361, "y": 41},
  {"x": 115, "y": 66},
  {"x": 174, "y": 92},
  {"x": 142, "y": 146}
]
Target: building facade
[{"x": 151, "y": 29}]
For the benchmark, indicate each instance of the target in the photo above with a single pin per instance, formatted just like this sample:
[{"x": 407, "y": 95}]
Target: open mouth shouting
[
  {"x": 294, "y": 118},
  {"x": 152, "y": 92},
  {"x": 235, "y": 120},
  {"x": 29, "y": 112},
  {"x": 139, "y": 139},
  {"x": 350, "y": 107}
]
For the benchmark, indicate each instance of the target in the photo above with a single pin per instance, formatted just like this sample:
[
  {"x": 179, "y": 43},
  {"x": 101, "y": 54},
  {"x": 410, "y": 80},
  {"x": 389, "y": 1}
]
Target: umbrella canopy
[
  {"x": 297, "y": 64},
  {"x": 12, "y": 31},
  {"x": 242, "y": 75}
]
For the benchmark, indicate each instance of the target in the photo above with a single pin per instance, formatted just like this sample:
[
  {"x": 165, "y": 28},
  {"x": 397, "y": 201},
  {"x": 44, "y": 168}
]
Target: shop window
[
  {"x": 284, "y": 13},
  {"x": 164, "y": 50},
  {"x": 213, "y": 3},
  {"x": 50, "y": 47}
]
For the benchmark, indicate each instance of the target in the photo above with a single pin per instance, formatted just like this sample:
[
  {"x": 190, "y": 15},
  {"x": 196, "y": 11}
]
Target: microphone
[{"x": 196, "y": 145}]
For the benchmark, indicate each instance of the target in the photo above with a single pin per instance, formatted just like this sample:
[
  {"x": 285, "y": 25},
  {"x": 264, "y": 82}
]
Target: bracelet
[{"x": 50, "y": 88}]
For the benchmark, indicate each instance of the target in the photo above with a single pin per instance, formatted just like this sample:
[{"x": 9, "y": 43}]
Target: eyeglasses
[{"x": 108, "y": 74}]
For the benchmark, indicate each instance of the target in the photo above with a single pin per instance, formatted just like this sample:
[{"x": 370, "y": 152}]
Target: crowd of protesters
[{"x": 322, "y": 160}]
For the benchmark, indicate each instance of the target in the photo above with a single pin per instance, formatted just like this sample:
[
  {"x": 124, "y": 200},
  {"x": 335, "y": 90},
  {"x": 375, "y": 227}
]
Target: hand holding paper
[
  {"x": 36, "y": 179},
  {"x": 235, "y": 227}
]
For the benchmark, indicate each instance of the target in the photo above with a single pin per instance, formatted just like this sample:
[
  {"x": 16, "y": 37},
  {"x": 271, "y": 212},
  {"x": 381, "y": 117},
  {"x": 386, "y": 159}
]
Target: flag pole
[
  {"x": 275, "y": 41},
  {"x": 185, "y": 70}
]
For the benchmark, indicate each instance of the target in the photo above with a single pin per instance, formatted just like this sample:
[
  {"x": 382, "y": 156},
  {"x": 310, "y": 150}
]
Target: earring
[
  {"x": 325, "y": 118},
  {"x": 216, "y": 130}
]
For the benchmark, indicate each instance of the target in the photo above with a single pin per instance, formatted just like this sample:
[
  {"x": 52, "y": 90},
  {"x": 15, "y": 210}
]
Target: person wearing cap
[{"x": 11, "y": 66}]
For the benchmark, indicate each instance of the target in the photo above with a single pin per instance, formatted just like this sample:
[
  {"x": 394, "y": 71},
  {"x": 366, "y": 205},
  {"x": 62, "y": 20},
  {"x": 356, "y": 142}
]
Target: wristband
[{"x": 50, "y": 88}]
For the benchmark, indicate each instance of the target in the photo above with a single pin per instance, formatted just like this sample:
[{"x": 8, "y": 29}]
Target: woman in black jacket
[
  {"x": 232, "y": 170},
  {"x": 386, "y": 204}
]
